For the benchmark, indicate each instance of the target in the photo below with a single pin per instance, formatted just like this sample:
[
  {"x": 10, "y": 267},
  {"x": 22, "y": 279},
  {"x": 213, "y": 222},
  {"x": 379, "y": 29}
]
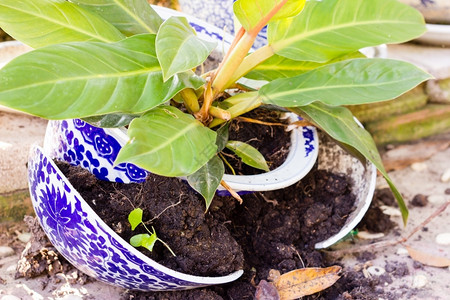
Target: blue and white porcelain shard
[{"x": 89, "y": 244}]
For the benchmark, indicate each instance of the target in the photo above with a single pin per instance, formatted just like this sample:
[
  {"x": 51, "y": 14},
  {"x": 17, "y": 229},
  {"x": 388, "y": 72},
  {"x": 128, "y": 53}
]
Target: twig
[
  {"x": 232, "y": 192},
  {"x": 164, "y": 210},
  {"x": 383, "y": 244},
  {"x": 249, "y": 120}
]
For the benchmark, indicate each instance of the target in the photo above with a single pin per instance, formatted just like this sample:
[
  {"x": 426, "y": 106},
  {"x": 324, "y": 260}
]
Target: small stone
[
  {"x": 9, "y": 297},
  {"x": 419, "y": 166},
  {"x": 24, "y": 237},
  {"x": 72, "y": 297},
  {"x": 402, "y": 251},
  {"x": 443, "y": 239},
  {"x": 420, "y": 281},
  {"x": 391, "y": 211},
  {"x": 6, "y": 251},
  {"x": 365, "y": 235},
  {"x": 446, "y": 176},
  {"x": 447, "y": 191},
  {"x": 376, "y": 271},
  {"x": 419, "y": 200},
  {"x": 436, "y": 199}
]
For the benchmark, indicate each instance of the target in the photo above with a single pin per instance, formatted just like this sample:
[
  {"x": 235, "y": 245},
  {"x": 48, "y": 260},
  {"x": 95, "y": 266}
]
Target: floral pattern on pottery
[
  {"x": 218, "y": 13},
  {"x": 89, "y": 244},
  {"x": 92, "y": 148}
]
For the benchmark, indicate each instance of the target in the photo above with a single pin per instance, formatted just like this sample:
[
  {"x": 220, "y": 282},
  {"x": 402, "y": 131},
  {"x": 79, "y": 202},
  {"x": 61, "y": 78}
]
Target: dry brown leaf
[
  {"x": 428, "y": 259},
  {"x": 302, "y": 282}
]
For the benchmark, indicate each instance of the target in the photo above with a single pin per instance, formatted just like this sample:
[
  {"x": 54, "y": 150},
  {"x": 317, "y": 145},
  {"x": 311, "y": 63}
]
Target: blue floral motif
[
  {"x": 308, "y": 135},
  {"x": 84, "y": 240}
]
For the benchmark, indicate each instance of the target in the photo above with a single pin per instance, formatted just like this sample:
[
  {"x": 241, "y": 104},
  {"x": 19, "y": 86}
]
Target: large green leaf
[
  {"x": 39, "y": 23},
  {"x": 331, "y": 28},
  {"x": 114, "y": 120},
  {"x": 78, "y": 80},
  {"x": 251, "y": 13},
  {"x": 178, "y": 47},
  {"x": 129, "y": 16},
  {"x": 339, "y": 123},
  {"x": 207, "y": 179},
  {"x": 348, "y": 82},
  {"x": 283, "y": 67},
  {"x": 168, "y": 142}
]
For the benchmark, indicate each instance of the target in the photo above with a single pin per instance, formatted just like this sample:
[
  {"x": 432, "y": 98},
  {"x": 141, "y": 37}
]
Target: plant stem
[
  {"x": 190, "y": 100},
  {"x": 219, "y": 113},
  {"x": 227, "y": 163},
  {"x": 234, "y": 59},
  {"x": 232, "y": 192},
  {"x": 250, "y": 62}
]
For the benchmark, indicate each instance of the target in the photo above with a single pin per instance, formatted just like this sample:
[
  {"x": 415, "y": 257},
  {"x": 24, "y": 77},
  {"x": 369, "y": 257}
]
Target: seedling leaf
[
  {"x": 144, "y": 240},
  {"x": 135, "y": 217}
]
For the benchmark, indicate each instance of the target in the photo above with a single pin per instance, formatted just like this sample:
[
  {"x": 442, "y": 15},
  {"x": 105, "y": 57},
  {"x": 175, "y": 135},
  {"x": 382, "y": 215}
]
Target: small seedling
[{"x": 146, "y": 240}]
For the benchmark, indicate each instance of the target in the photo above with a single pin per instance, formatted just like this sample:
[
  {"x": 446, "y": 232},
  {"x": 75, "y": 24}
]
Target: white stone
[
  {"x": 443, "y": 239},
  {"x": 9, "y": 297},
  {"x": 72, "y": 297},
  {"x": 365, "y": 235},
  {"x": 376, "y": 271},
  {"x": 402, "y": 252},
  {"x": 437, "y": 199},
  {"x": 24, "y": 237},
  {"x": 6, "y": 251},
  {"x": 391, "y": 211},
  {"x": 419, "y": 281},
  {"x": 419, "y": 166},
  {"x": 446, "y": 176}
]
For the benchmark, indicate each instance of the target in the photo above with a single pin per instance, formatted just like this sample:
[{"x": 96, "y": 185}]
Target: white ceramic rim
[
  {"x": 437, "y": 34},
  {"x": 182, "y": 276}
]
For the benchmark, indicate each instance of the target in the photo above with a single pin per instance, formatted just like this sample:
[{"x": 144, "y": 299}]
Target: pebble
[
  {"x": 419, "y": 200},
  {"x": 72, "y": 297},
  {"x": 365, "y": 235},
  {"x": 419, "y": 166},
  {"x": 443, "y": 239},
  {"x": 9, "y": 297},
  {"x": 446, "y": 176},
  {"x": 6, "y": 251},
  {"x": 391, "y": 211},
  {"x": 420, "y": 281},
  {"x": 436, "y": 199},
  {"x": 402, "y": 251},
  {"x": 376, "y": 271},
  {"x": 24, "y": 237}
]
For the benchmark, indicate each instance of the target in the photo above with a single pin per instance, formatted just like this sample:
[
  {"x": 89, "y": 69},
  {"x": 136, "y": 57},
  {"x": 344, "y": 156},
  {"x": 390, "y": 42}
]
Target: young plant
[
  {"x": 146, "y": 240},
  {"x": 116, "y": 62}
]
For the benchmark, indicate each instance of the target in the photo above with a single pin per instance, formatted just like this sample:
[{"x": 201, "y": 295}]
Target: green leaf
[
  {"x": 251, "y": 13},
  {"x": 339, "y": 123},
  {"x": 111, "y": 120},
  {"x": 249, "y": 155},
  {"x": 39, "y": 23},
  {"x": 144, "y": 240},
  {"x": 207, "y": 179},
  {"x": 178, "y": 47},
  {"x": 79, "y": 80},
  {"x": 348, "y": 82},
  {"x": 129, "y": 16},
  {"x": 331, "y": 28},
  {"x": 168, "y": 142},
  {"x": 282, "y": 67},
  {"x": 135, "y": 217},
  {"x": 222, "y": 136}
]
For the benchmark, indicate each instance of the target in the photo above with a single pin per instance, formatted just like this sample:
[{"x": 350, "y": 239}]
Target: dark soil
[
  {"x": 271, "y": 230},
  {"x": 375, "y": 220},
  {"x": 273, "y": 142}
]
